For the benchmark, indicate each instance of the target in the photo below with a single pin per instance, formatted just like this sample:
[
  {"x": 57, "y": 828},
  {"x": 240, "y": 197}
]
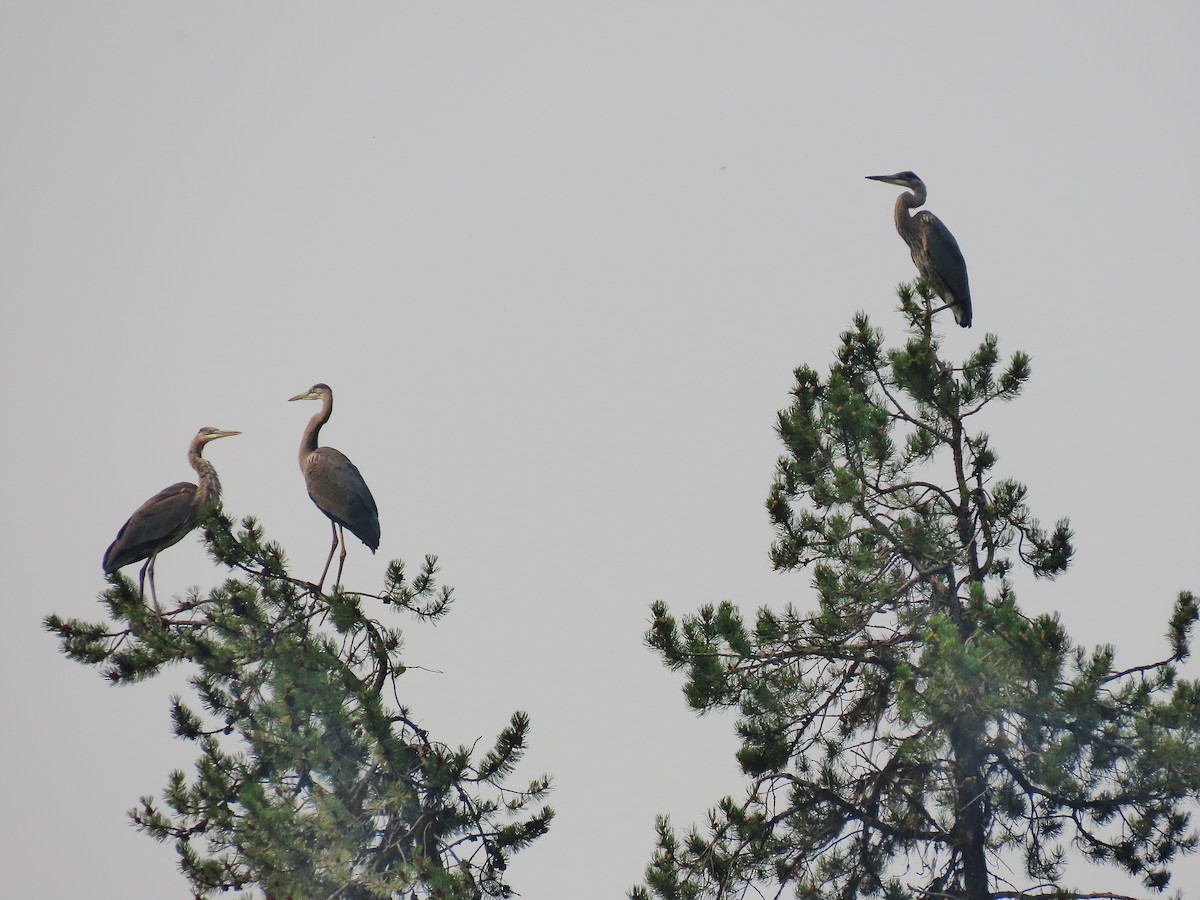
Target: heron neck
[
  {"x": 208, "y": 486},
  {"x": 906, "y": 201},
  {"x": 308, "y": 443}
]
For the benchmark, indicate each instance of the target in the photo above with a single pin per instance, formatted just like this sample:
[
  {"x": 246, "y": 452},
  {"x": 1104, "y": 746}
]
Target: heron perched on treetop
[
  {"x": 335, "y": 485},
  {"x": 165, "y": 518},
  {"x": 934, "y": 249}
]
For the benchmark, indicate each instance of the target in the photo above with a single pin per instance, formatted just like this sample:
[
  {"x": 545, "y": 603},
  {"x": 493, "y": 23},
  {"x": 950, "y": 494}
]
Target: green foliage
[
  {"x": 917, "y": 734},
  {"x": 312, "y": 778}
]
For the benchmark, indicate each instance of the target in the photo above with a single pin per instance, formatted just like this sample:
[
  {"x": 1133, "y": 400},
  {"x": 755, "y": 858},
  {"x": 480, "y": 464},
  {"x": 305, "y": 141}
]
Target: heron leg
[
  {"x": 332, "y": 547},
  {"x": 153, "y": 590},
  {"x": 929, "y": 311},
  {"x": 342, "y": 557},
  {"x": 142, "y": 578}
]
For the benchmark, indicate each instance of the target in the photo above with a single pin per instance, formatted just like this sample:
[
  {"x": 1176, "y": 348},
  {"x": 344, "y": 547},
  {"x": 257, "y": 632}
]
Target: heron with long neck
[
  {"x": 335, "y": 485},
  {"x": 168, "y": 516},
  {"x": 934, "y": 250}
]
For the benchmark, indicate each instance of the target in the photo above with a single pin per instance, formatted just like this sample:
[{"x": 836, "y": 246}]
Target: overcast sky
[{"x": 558, "y": 262}]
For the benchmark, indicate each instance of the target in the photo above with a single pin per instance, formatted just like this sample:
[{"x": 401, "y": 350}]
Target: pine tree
[
  {"x": 313, "y": 779},
  {"x": 918, "y": 735}
]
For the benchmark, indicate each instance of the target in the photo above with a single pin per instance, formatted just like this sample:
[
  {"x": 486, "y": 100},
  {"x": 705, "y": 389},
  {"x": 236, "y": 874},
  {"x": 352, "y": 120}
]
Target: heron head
[
  {"x": 906, "y": 179},
  {"x": 208, "y": 433},
  {"x": 318, "y": 391}
]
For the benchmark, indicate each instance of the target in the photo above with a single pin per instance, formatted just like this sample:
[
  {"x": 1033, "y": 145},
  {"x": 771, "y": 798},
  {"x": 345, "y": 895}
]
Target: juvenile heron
[
  {"x": 934, "y": 249},
  {"x": 165, "y": 518},
  {"x": 335, "y": 485}
]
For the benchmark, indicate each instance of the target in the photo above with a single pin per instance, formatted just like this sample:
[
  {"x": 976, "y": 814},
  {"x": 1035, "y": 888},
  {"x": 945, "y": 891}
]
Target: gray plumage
[
  {"x": 335, "y": 484},
  {"x": 934, "y": 250},
  {"x": 168, "y": 516}
]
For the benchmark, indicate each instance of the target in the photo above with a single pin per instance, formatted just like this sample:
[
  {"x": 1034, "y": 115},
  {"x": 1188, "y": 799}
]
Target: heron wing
[
  {"x": 949, "y": 269},
  {"x": 338, "y": 489},
  {"x": 158, "y": 523}
]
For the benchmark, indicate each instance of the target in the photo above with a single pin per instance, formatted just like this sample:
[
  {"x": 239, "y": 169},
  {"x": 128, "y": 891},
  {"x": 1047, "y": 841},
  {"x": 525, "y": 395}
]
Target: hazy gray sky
[{"x": 558, "y": 262}]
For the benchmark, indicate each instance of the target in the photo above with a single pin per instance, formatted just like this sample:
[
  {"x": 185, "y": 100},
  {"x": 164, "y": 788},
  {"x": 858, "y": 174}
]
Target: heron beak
[
  {"x": 889, "y": 179},
  {"x": 307, "y": 395},
  {"x": 222, "y": 434}
]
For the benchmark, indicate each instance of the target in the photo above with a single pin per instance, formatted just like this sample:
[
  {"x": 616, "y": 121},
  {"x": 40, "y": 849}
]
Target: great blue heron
[
  {"x": 934, "y": 249},
  {"x": 165, "y": 518},
  {"x": 335, "y": 485}
]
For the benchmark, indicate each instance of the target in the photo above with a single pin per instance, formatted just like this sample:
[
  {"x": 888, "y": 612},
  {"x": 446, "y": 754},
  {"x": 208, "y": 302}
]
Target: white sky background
[{"x": 558, "y": 265}]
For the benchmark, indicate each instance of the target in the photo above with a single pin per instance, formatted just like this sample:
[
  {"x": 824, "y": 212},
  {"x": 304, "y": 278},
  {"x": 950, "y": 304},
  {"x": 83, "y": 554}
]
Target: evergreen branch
[
  {"x": 898, "y": 411},
  {"x": 855, "y": 812},
  {"x": 1122, "y": 674}
]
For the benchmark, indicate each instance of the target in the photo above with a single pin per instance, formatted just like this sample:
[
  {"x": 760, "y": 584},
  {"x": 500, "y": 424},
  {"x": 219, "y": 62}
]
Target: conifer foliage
[
  {"x": 313, "y": 779},
  {"x": 918, "y": 735}
]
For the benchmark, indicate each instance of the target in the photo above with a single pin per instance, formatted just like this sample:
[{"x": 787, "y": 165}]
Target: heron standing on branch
[
  {"x": 165, "y": 518},
  {"x": 335, "y": 485},
  {"x": 934, "y": 249}
]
